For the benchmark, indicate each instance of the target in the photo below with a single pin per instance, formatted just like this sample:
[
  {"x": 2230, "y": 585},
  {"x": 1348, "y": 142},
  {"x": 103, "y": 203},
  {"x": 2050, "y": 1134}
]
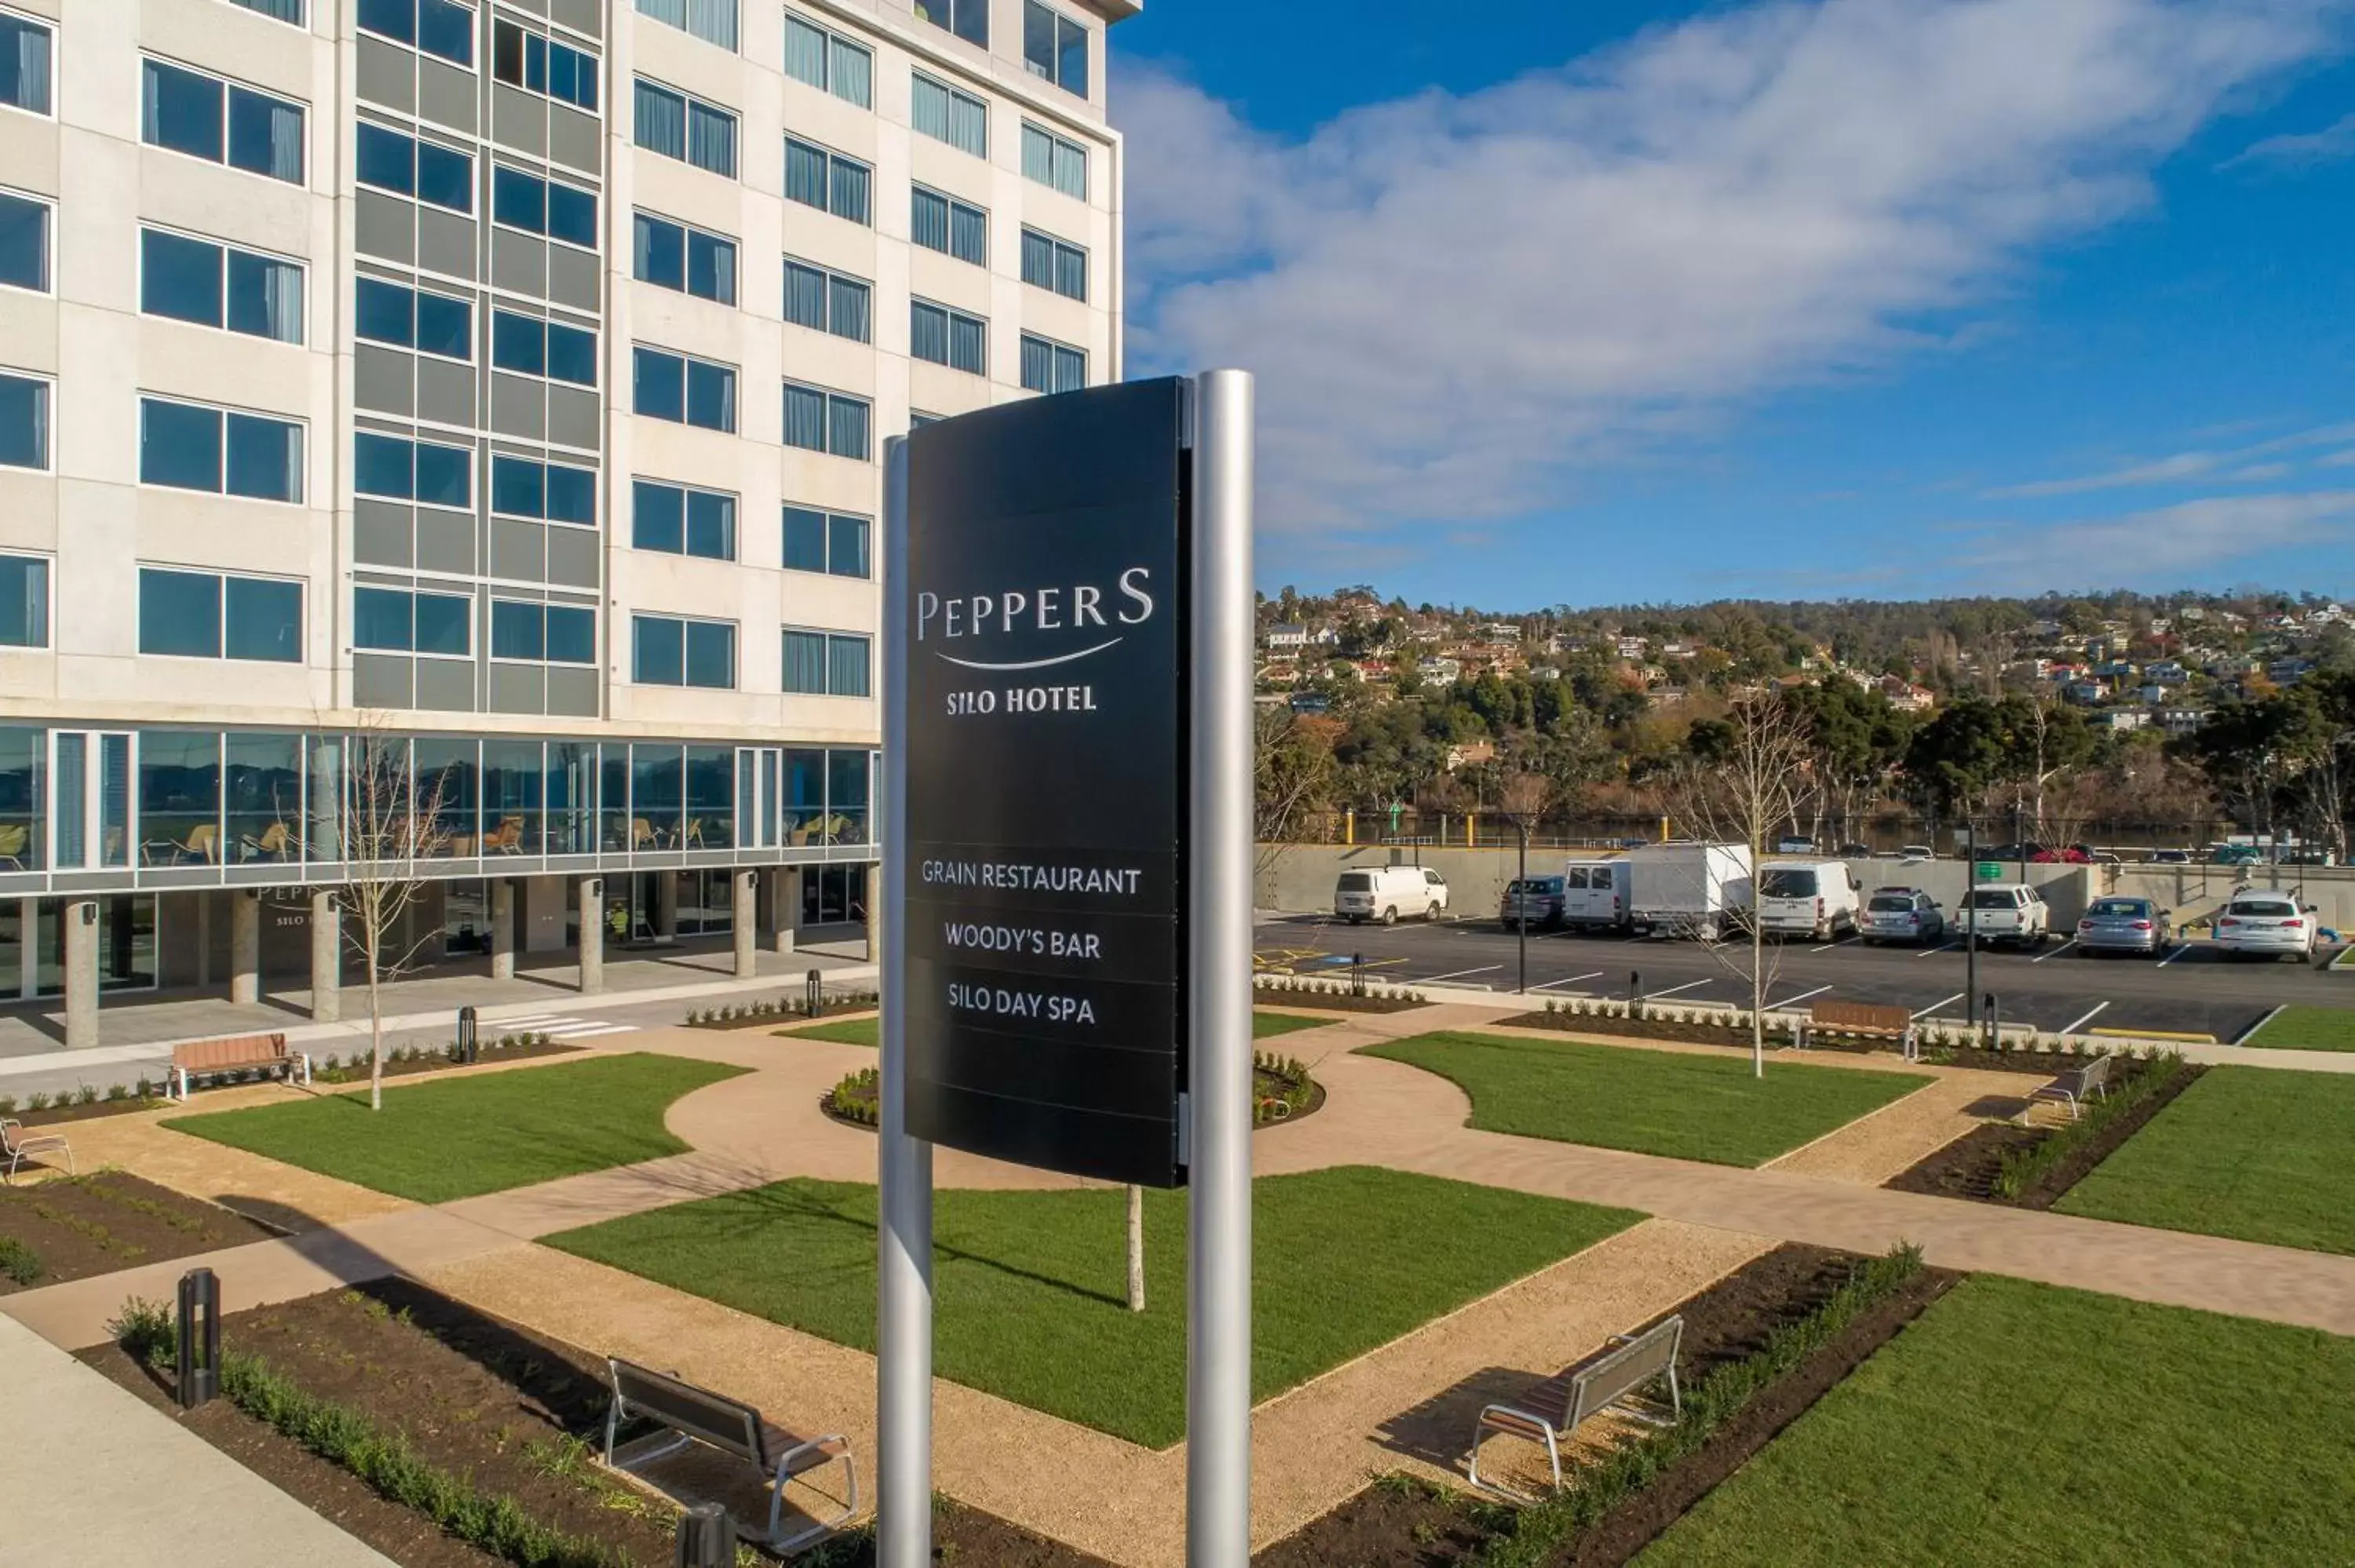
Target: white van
[
  {"x": 1595, "y": 895},
  {"x": 1385, "y": 893},
  {"x": 1807, "y": 899}
]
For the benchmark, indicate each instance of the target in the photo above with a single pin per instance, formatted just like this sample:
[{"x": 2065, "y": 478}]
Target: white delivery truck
[
  {"x": 1813, "y": 899},
  {"x": 1595, "y": 895},
  {"x": 1688, "y": 889}
]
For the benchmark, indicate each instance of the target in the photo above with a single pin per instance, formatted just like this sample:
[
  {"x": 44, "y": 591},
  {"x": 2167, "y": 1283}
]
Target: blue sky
[{"x": 1874, "y": 298}]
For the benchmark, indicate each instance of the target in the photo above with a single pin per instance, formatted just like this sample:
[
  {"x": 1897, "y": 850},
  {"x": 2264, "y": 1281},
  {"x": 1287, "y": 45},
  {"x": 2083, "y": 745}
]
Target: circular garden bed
[{"x": 1281, "y": 1087}]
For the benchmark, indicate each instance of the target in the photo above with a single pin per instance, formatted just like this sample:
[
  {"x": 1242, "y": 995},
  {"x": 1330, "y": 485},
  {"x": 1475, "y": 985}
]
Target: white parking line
[
  {"x": 2180, "y": 948},
  {"x": 1453, "y": 974},
  {"x": 1835, "y": 942},
  {"x": 2242, "y": 1038},
  {"x": 2073, "y": 1028},
  {"x": 2055, "y": 952},
  {"x": 1571, "y": 980},
  {"x": 1933, "y": 952},
  {"x": 1689, "y": 985},
  {"x": 1794, "y": 1000},
  {"x": 1936, "y": 1005}
]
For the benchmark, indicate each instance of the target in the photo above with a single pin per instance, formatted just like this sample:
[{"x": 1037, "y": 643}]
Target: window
[
  {"x": 941, "y": 111},
  {"x": 821, "y": 422},
  {"x": 537, "y": 206},
  {"x": 826, "y": 664},
  {"x": 832, "y": 542},
  {"x": 410, "y": 167},
  {"x": 830, "y": 301},
  {"x": 1055, "y": 46},
  {"x": 189, "y": 447},
  {"x": 23, "y": 601},
  {"x": 413, "y": 318},
  {"x": 398, "y": 620},
  {"x": 422, "y": 471},
  {"x": 668, "y": 652},
  {"x": 543, "y": 633},
  {"x": 24, "y": 241},
  {"x": 918, "y": 419},
  {"x": 1050, "y": 263},
  {"x": 713, "y": 21},
  {"x": 208, "y": 118},
  {"x": 207, "y": 615},
  {"x": 679, "y": 521},
  {"x": 1052, "y": 160},
  {"x": 434, "y": 26},
  {"x": 948, "y": 337},
  {"x": 968, "y": 20},
  {"x": 1051, "y": 367},
  {"x": 529, "y": 345},
  {"x": 552, "y": 492},
  {"x": 23, "y": 421},
  {"x": 942, "y": 223},
  {"x": 829, "y": 61},
  {"x": 673, "y": 256},
  {"x": 537, "y": 64},
  {"x": 290, "y": 11},
  {"x": 23, "y": 63},
  {"x": 827, "y": 181},
  {"x": 687, "y": 129},
  {"x": 220, "y": 286},
  {"x": 666, "y": 386}
]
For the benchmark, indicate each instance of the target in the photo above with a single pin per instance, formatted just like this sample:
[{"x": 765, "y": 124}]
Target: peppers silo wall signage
[{"x": 1045, "y": 782}]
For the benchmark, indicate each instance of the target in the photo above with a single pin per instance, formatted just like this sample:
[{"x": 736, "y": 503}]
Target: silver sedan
[{"x": 2122, "y": 925}]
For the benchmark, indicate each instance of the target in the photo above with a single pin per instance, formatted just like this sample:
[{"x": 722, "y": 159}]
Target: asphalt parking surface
[{"x": 2193, "y": 990}]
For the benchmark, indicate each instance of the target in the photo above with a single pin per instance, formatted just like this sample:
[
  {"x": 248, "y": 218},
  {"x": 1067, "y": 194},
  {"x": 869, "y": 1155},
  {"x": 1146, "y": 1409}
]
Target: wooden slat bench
[
  {"x": 237, "y": 1054},
  {"x": 1863, "y": 1020},
  {"x": 1555, "y": 1409},
  {"x": 695, "y": 1415},
  {"x": 2076, "y": 1086}
]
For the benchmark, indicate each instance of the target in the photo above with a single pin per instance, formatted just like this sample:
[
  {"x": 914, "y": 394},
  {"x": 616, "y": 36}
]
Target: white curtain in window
[
  {"x": 969, "y": 235},
  {"x": 806, "y": 418},
  {"x": 150, "y": 103},
  {"x": 711, "y": 140},
  {"x": 1038, "y": 364},
  {"x": 281, "y": 299},
  {"x": 846, "y": 666},
  {"x": 928, "y": 220},
  {"x": 927, "y": 333},
  {"x": 928, "y": 108},
  {"x": 714, "y": 21},
  {"x": 277, "y": 10},
  {"x": 806, "y": 661},
  {"x": 805, "y": 51},
  {"x": 287, "y": 143},
  {"x": 849, "y": 192},
  {"x": 846, "y": 429},
  {"x": 968, "y": 343},
  {"x": 669, "y": 13},
  {"x": 661, "y": 121},
  {"x": 1072, "y": 170},
  {"x": 851, "y": 73},
  {"x": 969, "y": 125},
  {"x": 32, "y": 64},
  {"x": 847, "y": 308},
  {"x": 804, "y": 295}
]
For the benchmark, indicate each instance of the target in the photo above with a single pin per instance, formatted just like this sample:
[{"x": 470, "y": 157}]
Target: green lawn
[
  {"x": 2018, "y": 1423},
  {"x": 1267, "y": 1025},
  {"x": 1689, "y": 1107},
  {"x": 2253, "y": 1152},
  {"x": 2301, "y": 1028},
  {"x": 460, "y": 1136},
  {"x": 1030, "y": 1286},
  {"x": 869, "y": 1031}
]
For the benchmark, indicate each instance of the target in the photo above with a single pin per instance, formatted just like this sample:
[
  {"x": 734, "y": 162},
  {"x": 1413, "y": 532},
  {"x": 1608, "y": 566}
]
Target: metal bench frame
[
  {"x": 1599, "y": 1384},
  {"x": 15, "y": 1146},
  {"x": 181, "y": 1080},
  {"x": 2074, "y": 1087},
  {"x": 732, "y": 1427}
]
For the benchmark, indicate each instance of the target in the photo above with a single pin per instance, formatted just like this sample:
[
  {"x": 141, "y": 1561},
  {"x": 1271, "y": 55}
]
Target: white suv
[
  {"x": 2268, "y": 925},
  {"x": 2005, "y": 912}
]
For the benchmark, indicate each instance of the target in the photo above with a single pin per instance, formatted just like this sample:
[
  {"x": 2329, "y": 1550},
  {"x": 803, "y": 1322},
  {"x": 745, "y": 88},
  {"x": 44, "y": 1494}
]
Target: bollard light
[
  {"x": 1994, "y": 1033},
  {"x": 1357, "y": 974},
  {"x": 813, "y": 994},
  {"x": 707, "y": 1537},
  {"x": 468, "y": 1035},
  {"x": 199, "y": 1347}
]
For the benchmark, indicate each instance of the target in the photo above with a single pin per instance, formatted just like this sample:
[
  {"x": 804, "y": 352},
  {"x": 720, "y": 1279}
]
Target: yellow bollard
[
  {"x": 1348, "y": 827},
  {"x": 1470, "y": 819}
]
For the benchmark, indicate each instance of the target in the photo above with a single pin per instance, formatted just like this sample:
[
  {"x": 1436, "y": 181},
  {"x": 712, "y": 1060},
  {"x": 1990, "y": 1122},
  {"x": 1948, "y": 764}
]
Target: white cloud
[
  {"x": 2164, "y": 543},
  {"x": 2338, "y": 459},
  {"x": 2183, "y": 466},
  {"x": 1453, "y": 303},
  {"x": 2332, "y": 141}
]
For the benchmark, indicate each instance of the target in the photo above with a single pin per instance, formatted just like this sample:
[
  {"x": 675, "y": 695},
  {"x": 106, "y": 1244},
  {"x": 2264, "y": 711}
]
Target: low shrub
[
  {"x": 2022, "y": 1168},
  {"x": 8, "y": 1105},
  {"x": 37, "y": 1102},
  {"x": 858, "y": 1096},
  {"x": 18, "y": 1262},
  {"x": 87, "y": 1094},
  {"x": 118, "y": 1092},
  {"x": 1281, "y": 1087}
]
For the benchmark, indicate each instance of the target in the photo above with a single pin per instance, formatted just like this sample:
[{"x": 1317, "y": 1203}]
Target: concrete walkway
[{"x": 95, "y": 1476}]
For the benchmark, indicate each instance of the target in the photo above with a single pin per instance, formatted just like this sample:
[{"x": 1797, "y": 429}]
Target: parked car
[
  {"x": 2266, "y": 925},
  {"x": 1595, "y": 895},
  {"x": 2007, "y": 912},
  {"x": 1916, "y": 852},
  {"x": 1855, "y": 851},
  {"x": 1792, "y": 843},
  {"x": 1386, "y": 892},
  {"x": 2122, "y": 925},
  {"x": 2170, "y": 857},
  {"x": 1902, "y": 915},
  {"x": 1809, "y": 898},
  {"x": 2237, "y": 854},
  {"x": 1537, "y": 901},
  {"x": 2068, "y": 855}
]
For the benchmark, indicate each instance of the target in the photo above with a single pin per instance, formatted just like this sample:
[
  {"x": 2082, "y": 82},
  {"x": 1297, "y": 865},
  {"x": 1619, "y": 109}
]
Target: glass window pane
[
  {"x": 661, "y": 121},
  {"x": 263, "y": 619},
  {"x": 445, "y": 178},
  {"x": 382, "y": 620},
  {"x": 846, "y": 434},
  {"x": 658, "y": 383},
  {"x": 24, "y": 602},
  {"x": 519, "y": 200},
  {"x": 928, "y": 220},
  {"x": 969, "y": 234},
  {"x": 660, "y": 251},
  {"x": 571, "y": 496},
  {"x": 571, "y": 215},
  {"x": 24, "y": 422},
  {"x": 265, "y": 457},
  {"x": 1037, "y": 155},
  {"x": 849, "y": 190},
  {"x": 383, "y": 312},
  {"x": 518, "y": 343},
  {"x": 571, "y": 355},
  {"x": 1071, "y": 272},
  {"x": 847, "y": 545},
  {"x": 390, "y": 18},
  {"x": 1071, "y": 56},
  {"x": 25, "y": 65},
  {"x": 847, "y": 312},
  {"x": 710, "y": 655},
  {"x": 1038, "y": 258},
  {"x": 658, "y": 516},
  {"x": 927, "y": 333},
  {"x": 262, "y": 790},
  {"x": 266, "y": 297},
  {"x": 1038, "y": 39},
  {"x": 806, "y": 662},
  {"x": 382, "y": 465},
  {"x": 804, "y": 418},
  {"x": 444, "y": 623},
  {"x": 710, "y": 395},
  {"x": 182, "y": 110},
  {"x": 712, "y": 267},
  {"x": 179, "y": 445},
  {"x": 1071, "y": 169},
  {"x": 518, "y": 488},
  {"x": 846, "y": 666},
  {"x": 804, "y": 295},
  {"x": 446, "y": 30},
  {"x": 969, "y": 124},
  {"x": 265, "y": 136},
  {"x": 386, "y": 160},
  {"x": 571, "y": 635},
  {"x": 445, "y": 326},
  {"x": 804, "y": 539},
  {"x": 805, "y": 51},
  {"x": 24, "y": 238},
  {"x": 711, "y": 139},
  {"x": 179, "y": 278},
  {"x": 658, "y": 653},
  {"x": 710, "y": 525},
  {"x": 805, "y": 173},
  {"x": 928, "y": 107},
  {"x": 445, "y": 475},
  {"x": 968, "y": 343},
  {"x": 179, "y": 613},
  {"x": 851, "y": 70},
  {"x": 518, "y": 631}
]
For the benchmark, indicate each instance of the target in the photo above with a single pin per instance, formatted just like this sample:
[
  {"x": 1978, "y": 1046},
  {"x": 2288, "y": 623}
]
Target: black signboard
[{"x": 1045, "y": 782}]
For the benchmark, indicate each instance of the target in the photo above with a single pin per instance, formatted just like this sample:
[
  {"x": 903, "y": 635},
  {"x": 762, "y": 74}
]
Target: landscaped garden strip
[
  {"x": 2256, "y": 1153},
  {"x": 1267, "y": 1025},
  {"x": 1683, "y": 1105},
  {"x": 1031, "y": 1287},
  {"x": 73, "y": 1227},
  {"x": 869, "y": 1031},
  {"x": 2297, "y": 1027},
  {"x": 2017, "y": 1423},
  {"x": 2022, "y": 1170},
  {"x": 459, "y": 1137}
]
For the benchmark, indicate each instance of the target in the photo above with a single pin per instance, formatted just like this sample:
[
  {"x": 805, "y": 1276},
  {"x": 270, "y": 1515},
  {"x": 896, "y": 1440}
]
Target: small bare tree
[
  {"x": 1137, "y": 1249},
  {"x": 1746, "y": 791},
  {"x": 389, "y": 817}
]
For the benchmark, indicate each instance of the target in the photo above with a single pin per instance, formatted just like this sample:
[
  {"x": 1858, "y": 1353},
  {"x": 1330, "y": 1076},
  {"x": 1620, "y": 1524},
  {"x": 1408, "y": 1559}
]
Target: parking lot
[{"x": 2192, "y": 990}]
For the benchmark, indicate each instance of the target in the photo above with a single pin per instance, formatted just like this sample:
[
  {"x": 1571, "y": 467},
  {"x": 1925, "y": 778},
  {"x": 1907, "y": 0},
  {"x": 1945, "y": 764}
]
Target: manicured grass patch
[
  {"x": 461, "y": 1136},
  {"x": 2302, "y": 1028},
  {"x": 1266, "y": 1025},
  {"x": 1688, "y": 1107},
  {"x": 1030, "y": 1286},
  {"x": 2252, "y": 1152},
  {"x": 2018, "y": 1423},
  {"x": 844, "y": 1031}
]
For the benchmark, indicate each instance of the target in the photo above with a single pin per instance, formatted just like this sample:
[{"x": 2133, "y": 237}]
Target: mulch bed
[
  {"x": 353, "y": 1070},
  {"x": 1321, "y": 1001},
  {"x": 1688, "y": 1033},
  {"x": 1402, "y": 1524},
  {"x": 792, "y": 1011},
  {"x": 1966, "y": 1168},
  {"x": 87, "y": 1225}
]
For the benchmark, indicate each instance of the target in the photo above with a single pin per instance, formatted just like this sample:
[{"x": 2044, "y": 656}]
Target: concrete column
[
  {"x": 28, "y": 927},
  {"x": 244, "y": 945},
  {"x": 326, "y": 957},
  {"x": 746, "y": 928},
  {"x": 592, "y": 934},
  {"x": 82, "y": 973},
  {"x": 666, "y": 921},
  {"x": 875, "y": 913},
  {"x": 503, "y": 929},
  {"x": 784, "y": 907}
]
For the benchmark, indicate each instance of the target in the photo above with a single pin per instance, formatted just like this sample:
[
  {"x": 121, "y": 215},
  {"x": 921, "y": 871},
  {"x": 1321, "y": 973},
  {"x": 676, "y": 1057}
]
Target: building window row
[
  {"x": 830, "y": 301},
  {"x": 819, "y": 177},
  {"x": 830, "y": 62},
  {"x": 713, "y": 21},
  {"x": 403, "y": 317},
  {"x": 678, "y": 520},
  {"x": 947, "y": 115},
  {"x": 435, "y": 27},
  {"x": 207, "y": 117},
  {"x": 675, "y": 125},
  {"x": 947, "y": 337},
  {"x": 820, "y": 420},
  {"x": 217, "y": 285},
  {"x": 414, "y": 167},
  {"x": 826, "y": 663},
  {"x": 1055, "y": 264},
  {"x": 189, "y": 614},
  {"x": 672, "y": 255},
  {"x": 951, "y": 227},
  {"x": 536, "y": 63},
  {"x": 537, "y": 205}
]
